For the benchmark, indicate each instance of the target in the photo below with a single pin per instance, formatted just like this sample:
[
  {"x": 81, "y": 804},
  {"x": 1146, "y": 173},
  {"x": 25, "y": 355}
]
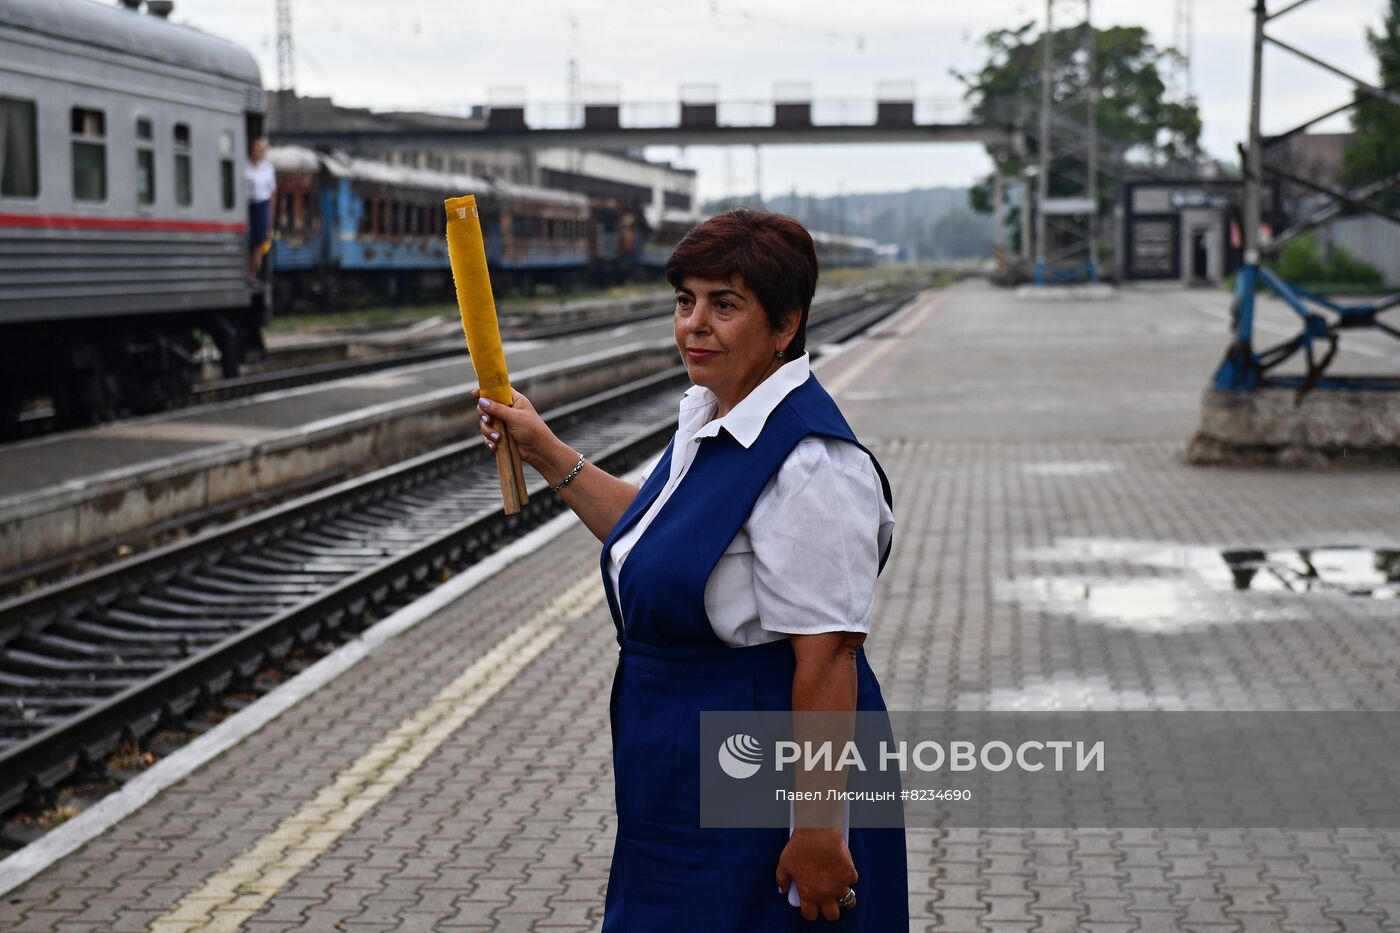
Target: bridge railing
[{"x": 560, "y": 115}]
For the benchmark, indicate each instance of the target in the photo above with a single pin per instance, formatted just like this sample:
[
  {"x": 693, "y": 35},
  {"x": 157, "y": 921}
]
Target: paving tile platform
[{"x": 1027, "y": 443}]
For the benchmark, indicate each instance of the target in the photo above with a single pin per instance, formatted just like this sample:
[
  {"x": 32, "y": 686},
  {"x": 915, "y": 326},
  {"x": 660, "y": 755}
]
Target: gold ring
[{"x": 848, "y": 900}]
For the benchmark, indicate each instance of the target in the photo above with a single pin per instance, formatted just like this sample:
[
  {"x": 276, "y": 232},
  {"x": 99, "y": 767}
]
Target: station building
[{"x": 1186, "y": 231}]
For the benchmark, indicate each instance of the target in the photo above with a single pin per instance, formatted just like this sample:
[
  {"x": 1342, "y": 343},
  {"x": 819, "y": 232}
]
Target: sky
[{"x": 431, "y": 54}]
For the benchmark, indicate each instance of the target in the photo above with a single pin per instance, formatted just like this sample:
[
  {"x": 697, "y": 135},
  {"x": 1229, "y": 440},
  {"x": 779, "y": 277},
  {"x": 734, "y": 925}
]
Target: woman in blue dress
[{"x": 740, "y": 576}]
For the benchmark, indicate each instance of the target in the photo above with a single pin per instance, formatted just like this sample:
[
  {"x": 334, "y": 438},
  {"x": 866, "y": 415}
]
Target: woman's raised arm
[{"x": 597, "y": 497}]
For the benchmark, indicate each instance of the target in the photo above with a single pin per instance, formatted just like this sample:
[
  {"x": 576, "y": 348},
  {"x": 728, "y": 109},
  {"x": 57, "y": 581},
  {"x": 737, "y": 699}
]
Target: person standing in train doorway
[
  {"x": 262, "y": 185},
  {"x": 741, "y": 575}
]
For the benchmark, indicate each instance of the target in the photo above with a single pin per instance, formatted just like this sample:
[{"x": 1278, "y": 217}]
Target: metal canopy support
[
  {"x": 1322, "y": 320},
  {"x": 1071, "y": 215}
]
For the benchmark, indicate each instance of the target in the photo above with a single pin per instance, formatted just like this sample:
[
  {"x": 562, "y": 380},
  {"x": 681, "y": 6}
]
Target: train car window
[
  {"x": 226, "y": 176},
  {"x": 145, "y": 176},
  {"x": 145, "y": 162},
  {"x": 19, "y": 149},
  {"x": 89, "y": 154},
  {"x": 226, "y": 183},
  {"x": 366, "y": 214},
  {"x": 184, "y": 183}
]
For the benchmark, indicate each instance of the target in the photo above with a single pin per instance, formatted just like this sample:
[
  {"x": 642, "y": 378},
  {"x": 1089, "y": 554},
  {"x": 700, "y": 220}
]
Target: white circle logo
[{"x": 740, "y": 756}]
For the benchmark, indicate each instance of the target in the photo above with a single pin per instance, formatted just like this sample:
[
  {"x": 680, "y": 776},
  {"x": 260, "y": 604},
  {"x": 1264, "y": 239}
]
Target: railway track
[
  {"x": 110, "y": 656},
  {"x": 221, "y": 390}
]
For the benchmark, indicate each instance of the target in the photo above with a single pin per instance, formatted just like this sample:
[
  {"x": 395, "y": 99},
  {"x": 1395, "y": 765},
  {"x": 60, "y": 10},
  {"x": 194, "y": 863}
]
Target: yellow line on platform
[
  {"x": 846, "y": 377},
  {"x": 229, "y": 898}
]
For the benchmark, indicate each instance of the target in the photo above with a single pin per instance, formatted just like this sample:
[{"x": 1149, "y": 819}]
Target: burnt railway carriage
[
  {"x": 123, "y": 217},
  {"x": 351, "y": 227}
]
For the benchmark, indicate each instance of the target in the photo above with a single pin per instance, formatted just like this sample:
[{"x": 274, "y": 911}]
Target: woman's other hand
[{"x": 819, "y": 863}]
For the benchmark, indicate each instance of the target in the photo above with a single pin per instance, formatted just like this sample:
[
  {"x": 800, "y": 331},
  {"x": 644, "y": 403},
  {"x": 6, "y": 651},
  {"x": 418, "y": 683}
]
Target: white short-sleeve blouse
[{"x": 806, "y": 559}]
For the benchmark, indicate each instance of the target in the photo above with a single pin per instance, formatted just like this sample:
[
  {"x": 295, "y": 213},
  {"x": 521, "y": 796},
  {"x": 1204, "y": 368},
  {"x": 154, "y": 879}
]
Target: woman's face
[{"x": 725, "y": 339}]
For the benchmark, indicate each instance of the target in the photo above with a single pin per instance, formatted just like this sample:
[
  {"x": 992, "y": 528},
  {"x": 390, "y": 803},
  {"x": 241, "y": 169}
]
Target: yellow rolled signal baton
[{"x": 467, "y": 253}]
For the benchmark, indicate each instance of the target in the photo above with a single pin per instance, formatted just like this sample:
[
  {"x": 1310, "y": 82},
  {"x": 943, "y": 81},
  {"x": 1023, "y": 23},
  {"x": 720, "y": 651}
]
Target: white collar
[{"x": 745, "y": 420}]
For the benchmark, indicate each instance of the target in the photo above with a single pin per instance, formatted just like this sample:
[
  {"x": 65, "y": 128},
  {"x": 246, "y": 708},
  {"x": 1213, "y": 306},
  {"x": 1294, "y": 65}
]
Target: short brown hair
[{"x": 771, "y": 253}]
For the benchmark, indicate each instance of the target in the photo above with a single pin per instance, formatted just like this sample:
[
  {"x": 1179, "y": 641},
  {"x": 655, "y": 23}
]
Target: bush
[
  {"x": 1299, "y": 261},
  {"x": 1302, "y": 263}
]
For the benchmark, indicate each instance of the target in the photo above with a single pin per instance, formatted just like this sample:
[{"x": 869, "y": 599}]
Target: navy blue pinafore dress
[{"x": 668, "y": 874}]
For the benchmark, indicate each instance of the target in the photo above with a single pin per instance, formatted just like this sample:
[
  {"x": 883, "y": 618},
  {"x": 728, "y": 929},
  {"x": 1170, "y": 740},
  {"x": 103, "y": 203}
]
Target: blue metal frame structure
[{"x": 1244, "y": 368}]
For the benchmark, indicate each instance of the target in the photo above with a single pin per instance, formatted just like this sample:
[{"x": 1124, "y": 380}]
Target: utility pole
[
  {"x": 1047, "y": 72},
  {"x": 575, "y": 114},
  {"x": 286, "y": 60},
  {"x": 1184, "y": 41},
  {"x": 999, "y": 215},
  {"x": 1074, "y": 210},
  {"x": 1254, "y": 155},
  {"x": 1091, "y": 94}
]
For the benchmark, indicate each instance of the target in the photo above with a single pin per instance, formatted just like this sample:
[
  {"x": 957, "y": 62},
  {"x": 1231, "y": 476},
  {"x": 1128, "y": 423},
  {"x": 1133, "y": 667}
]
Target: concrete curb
[{"x": 71, "y": 516}]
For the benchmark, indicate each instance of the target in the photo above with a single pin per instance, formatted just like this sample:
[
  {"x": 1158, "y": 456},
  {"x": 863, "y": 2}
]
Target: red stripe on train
[{"x": 132, "y": 224}]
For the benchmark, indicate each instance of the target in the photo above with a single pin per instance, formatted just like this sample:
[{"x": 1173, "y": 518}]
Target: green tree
[
  {"x": 1375, "y": 152},
  {"x": 1136, "y": 123}
]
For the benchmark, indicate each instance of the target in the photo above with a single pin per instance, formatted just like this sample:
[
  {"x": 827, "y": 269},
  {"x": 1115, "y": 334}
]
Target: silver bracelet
[{"x": 572, "y": 473}]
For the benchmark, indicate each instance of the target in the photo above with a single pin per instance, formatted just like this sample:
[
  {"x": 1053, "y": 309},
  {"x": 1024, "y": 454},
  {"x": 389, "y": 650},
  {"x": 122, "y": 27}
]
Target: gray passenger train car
[{"x": 123, "y": 214}]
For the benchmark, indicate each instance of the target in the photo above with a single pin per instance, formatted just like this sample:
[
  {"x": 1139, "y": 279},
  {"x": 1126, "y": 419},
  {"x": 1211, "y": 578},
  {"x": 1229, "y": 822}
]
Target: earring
[{"x": 780, "y": 353}]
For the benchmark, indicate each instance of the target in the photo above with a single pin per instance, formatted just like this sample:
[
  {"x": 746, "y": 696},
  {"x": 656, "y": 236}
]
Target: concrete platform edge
[{"x": 50, "y": 522}]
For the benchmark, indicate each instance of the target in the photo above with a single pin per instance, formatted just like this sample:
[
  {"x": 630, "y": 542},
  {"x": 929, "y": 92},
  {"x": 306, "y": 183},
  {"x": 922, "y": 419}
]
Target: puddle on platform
[
  {"x": 1072, "y": 467},
  {"x": 1147, "y": 605},
  {"x": 1353, "y": 571},
  {"x": 1173, "y": 594}
]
